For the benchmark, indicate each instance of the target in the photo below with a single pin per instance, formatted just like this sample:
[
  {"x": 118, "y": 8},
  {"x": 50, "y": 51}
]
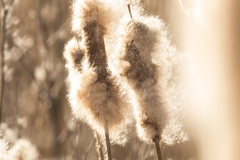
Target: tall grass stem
[
  {"x": 3, "y": 13},
  {"x": 99, "y": 147}
]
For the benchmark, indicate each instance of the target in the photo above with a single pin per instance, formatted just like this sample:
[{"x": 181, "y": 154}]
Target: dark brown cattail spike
[
  {"x": 95, "y": 51},
  {"x": 93, "y": 96},
  {"x": 129, "y": 9},
  {"x": 107, "y": 141},
  {"x": 156, "y": 141}
]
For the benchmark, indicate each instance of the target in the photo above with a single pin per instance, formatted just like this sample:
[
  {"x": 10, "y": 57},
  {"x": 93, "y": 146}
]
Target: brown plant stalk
[
  {"x": 156, "y": 141},
  {"x": 4, "y": 13}
]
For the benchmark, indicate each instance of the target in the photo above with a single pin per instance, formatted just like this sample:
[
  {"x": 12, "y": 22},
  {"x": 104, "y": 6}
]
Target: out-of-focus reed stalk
[
  {"x": 99, "y": 146},
  {"x": 4, "y": 10},
  {"x": 3, "y": 17}
]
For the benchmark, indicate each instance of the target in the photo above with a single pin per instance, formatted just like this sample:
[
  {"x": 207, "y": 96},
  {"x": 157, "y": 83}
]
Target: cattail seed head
[
  {"x": 139, "y": 75},
  {"x": 95, "y": 102},
  {"x": 93, "y": 96},
  {"x": 142, "y": 66}
]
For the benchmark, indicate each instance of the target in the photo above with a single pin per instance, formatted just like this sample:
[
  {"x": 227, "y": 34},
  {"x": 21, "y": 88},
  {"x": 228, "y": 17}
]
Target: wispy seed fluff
[
  {"x": 108, "y": 13},
  {"x": 93, "y": 96},
  {"x": 140, "y": 66},
  {"x": 102, "y": 11},
  {"x": 22, "y": 149}
]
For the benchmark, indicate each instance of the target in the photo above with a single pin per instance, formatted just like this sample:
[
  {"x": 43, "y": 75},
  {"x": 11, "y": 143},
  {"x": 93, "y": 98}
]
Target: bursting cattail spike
[
  {"x": 139, "y": 73},
  {"x": 93, "y": 96},
  {"x": 142, "y": 66}
]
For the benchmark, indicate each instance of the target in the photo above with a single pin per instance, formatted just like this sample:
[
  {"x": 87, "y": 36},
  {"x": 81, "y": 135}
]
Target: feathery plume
[
  {"x": 141, "y": 66},
  {"x": 93, "y": 96},
  {"x": 139, "y": 75},
  {"x": 4, "y": 147},
  {"x": 22, "y": 149}
]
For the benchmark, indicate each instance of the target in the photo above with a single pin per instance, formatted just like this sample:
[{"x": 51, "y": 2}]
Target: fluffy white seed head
[
  {"x": 143, "y": 76},
  {"x": 4, "y": 147},
  {"x": 22, "y": 149},
  {"x": 92, "y": 101},
  {"x": 142, "y": 66},
  {"x": 106, "y": 12},
  {"x": 139, "y": 74}
]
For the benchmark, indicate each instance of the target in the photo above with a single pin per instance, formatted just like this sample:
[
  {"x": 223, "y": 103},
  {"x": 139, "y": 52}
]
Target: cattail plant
[
  {"x": 140, "y": 59},
  {"x": 93, "y": 96},
  {"x": 139, "y": 74},
  {"x": 141, "y": 66}
]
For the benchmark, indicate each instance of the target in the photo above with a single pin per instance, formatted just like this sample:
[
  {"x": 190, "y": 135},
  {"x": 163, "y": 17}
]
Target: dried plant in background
[
  {"x": 22, "y": 149},
  {"x": 4, "y": 8},
  {"x": 13, "y": 148}
]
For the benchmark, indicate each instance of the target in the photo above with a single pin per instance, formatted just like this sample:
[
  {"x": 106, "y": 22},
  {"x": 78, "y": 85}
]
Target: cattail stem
[
  {"x": 156, "y": 140},
  {"x": 107, "y": 141},
  {"x": 99, "y": 147}
]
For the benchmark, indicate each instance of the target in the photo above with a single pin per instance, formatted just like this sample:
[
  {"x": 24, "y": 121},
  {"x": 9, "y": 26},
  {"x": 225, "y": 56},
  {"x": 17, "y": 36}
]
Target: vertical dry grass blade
[
  {"x": 99, "y": 147},
  {"x": 3, "y": 16}
]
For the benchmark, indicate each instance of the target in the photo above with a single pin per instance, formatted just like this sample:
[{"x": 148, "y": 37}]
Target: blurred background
[{"x": 34, "y": 104}]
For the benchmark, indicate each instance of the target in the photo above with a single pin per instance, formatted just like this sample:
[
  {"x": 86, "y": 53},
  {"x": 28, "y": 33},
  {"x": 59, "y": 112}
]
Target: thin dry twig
[
  {"x": 57, "y": 34},
  {"x": 129, "y": 9},
  {"x": 89, "y": 147}
]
